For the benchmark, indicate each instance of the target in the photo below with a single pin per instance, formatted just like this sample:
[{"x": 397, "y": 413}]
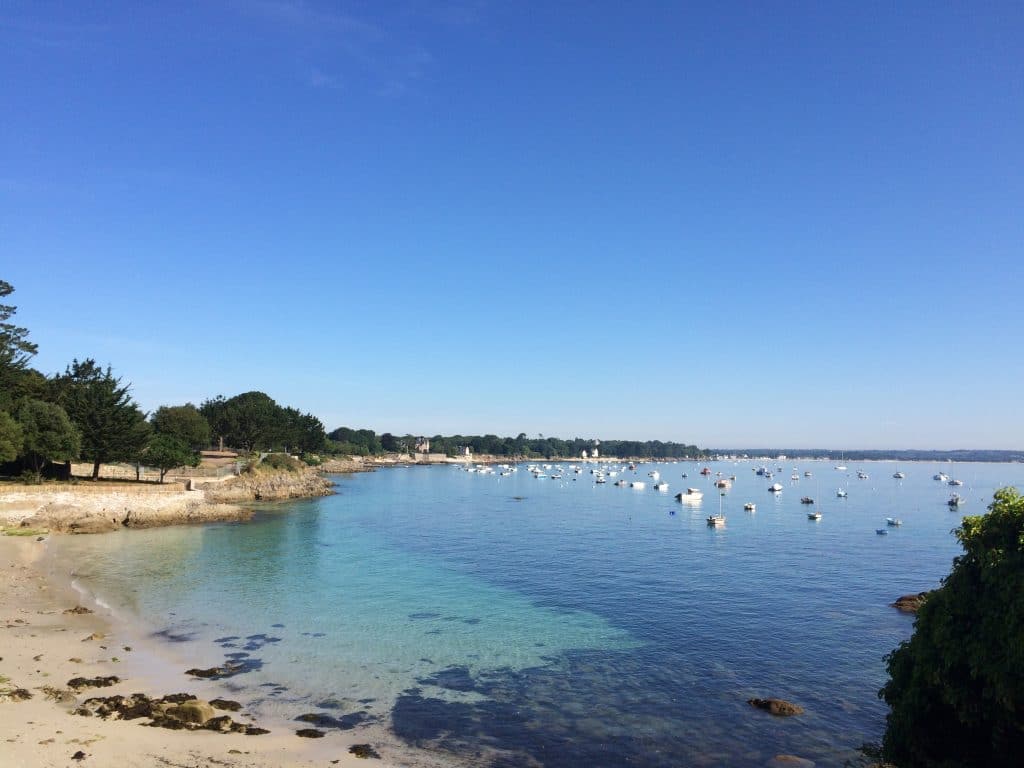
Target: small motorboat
[
  {"x": 955, "y": 500},
  {"x": 898, "y": 475},
  {"x": 881, "y": 531},
  {"x": 814, "y": 515},
  {"x": 794, "y": 476},
  {"x": 661, "y": 486},
  {"x": 706, "y": 471},
  {"x": 722, "y": 483},
  {"x": 895, "y": 522},
  {"x": 841, "y": 493},
  {"x": 639, "y": 485},
  {"x": 691, "y": 494},
  {"x": 806, "y": 500},
  {"x": 750, "y": 506},
  {"x": 942, "y": 477},
  {"x": 600, "y": 479},
  {"x": 955, "y": 482},
  {"x": 715, "y": 520},
  {"x": 622, "y": 483},
  {"x": 862, "y": 475},
  {"x": 807, "y": 474},
  {"x": 775, "y": 488}
]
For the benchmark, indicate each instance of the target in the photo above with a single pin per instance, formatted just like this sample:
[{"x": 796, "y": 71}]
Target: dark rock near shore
[
  {"x": 910, "y": 603},
  {"x": 364, "y": 751},
  {"x": 78, "y": 609},
  {"x": 225, "y": 704},
  {"x": 176, "y": 712},
  {"x": 777, "y": 707},
  {"x": 93, "y": 682},
  {"x": 310, "y": 733}
]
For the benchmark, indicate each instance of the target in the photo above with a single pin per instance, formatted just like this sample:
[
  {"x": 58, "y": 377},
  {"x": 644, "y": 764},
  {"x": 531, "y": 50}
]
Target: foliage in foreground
[{"x": 956, "y": 688}]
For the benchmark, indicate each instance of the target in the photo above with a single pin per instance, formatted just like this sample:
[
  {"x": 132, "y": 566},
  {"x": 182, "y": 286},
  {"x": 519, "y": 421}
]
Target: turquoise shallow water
[{"x": 515, "y": 620}]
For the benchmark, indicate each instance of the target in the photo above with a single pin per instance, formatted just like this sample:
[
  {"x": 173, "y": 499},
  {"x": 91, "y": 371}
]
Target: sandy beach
[{"x": 47, "y": 640}]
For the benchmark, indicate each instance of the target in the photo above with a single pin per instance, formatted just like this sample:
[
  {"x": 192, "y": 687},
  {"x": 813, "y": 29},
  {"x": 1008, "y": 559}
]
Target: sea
[{"x": 508, "y": 619}]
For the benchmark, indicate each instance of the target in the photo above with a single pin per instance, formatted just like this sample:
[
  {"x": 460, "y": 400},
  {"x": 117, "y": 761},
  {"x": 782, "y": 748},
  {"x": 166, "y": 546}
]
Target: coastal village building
[{"x": 422, "y": 445}]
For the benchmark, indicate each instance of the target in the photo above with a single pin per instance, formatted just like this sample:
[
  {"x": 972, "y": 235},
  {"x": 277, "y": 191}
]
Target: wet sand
[{"x": 42, "y": 647}]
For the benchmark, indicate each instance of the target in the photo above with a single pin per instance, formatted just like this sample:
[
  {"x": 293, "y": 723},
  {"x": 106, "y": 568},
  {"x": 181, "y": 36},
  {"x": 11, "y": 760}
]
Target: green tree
[
  {"x": 15, "y": 350},
  {"x": 184, "y": 422},
  {"x": 166, "y": 452},
  {"x": 11, "y": 438},
  {"x": 956, "y": 687},
  {"x": 251, "y": 421},
  {"x": 111, "y": 425},
  {"x": 47, "y": 433}
]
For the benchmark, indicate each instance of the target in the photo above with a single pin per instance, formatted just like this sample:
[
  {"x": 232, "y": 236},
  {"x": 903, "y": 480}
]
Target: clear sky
[{"x": 775, "y": 223}]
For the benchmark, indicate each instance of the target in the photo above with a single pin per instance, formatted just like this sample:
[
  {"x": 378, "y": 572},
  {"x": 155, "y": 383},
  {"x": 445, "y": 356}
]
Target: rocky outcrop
[
  {"x": 910, "y": 603},
  {"x": 89, "y": 511},
  {"x": 264, "y": 485},
  {"x": 778, "y": 707},
  {"x": 178, "y": 711}
]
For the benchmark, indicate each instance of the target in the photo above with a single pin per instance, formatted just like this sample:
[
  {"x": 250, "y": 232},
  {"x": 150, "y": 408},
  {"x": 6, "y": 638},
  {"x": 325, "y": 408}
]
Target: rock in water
[
  {"x": 789, "y": 761},
  {"x": 910, "y": 603},
  {"x": 778, "y": 707}
]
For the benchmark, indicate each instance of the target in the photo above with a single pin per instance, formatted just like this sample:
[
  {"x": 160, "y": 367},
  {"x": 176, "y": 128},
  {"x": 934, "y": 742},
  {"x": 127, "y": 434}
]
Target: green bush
[
  {"x": 281, "y": 461},
  {"x": 956, "y": 687}
]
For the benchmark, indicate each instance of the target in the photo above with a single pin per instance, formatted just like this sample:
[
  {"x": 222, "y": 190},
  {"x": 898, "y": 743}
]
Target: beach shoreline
[{"x": 45, "y": 645}]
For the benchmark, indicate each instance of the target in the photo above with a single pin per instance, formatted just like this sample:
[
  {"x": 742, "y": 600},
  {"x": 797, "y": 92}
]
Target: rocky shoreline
[{"x": 103, "y": 507}]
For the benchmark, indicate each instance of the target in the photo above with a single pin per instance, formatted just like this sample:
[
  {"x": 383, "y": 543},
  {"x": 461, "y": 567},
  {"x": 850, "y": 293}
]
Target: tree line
[
  {"x": 88, "y": 414},
  {"x": 365, "y": 442}
]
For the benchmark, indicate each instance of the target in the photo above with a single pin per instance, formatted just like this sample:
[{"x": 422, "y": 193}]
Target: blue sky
[{"x": 731, "y": 224}]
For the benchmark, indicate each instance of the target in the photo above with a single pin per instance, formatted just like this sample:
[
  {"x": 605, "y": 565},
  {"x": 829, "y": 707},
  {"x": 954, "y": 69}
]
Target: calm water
[{"x": 517, "y": 621}]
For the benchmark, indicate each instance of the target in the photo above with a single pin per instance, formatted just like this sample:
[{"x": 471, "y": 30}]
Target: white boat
[
  {"x": 881, "y": 531},
  {"x": 955, "y": 482},
  {"x": 661, "y": 486},
  {"x": 638, "y": 484},
  {"x": 691, "y": 494},
  {"x": 654, "y": 475},
  {"x": 862, "y": 475},
  {"x": 775, "y": 488},
  {"x": 898, "y": 475},
  {"x": 841, "y": 467},
  {"x": 814, "y": 515},
  {"x": 942, "y": 477},
  {"x": 622, "y": 483},
  {"x": 841, "y": 493},
  {"x": 807, "y": 473},
  {"x": 600, "y": 479},
  {"x": 893, "y": 521},
  {"x": 722, "y": 484},
  {"x": 719, "y": 519},
  {"x": 750, "y": 506},
  {"x": 955, "y": 500},
  {"x": 794, "y": 476}
]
